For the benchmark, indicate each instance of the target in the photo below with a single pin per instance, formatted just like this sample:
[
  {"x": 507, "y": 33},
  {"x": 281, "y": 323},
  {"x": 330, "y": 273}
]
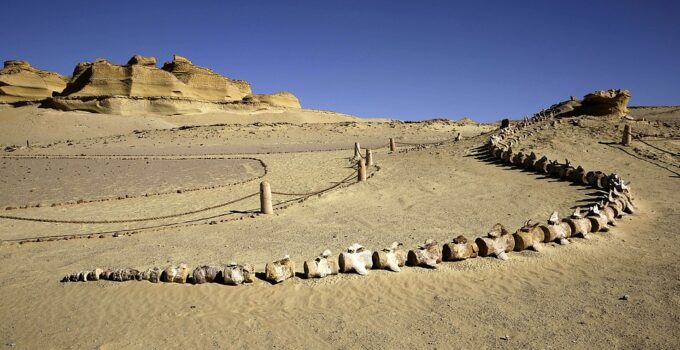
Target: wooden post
[
  {"x": 357, "y": 150},
  {"x": 28, "y": 145},
  {"x": 266, "y": 198},
  {"x": 361, "y": 171},
  {"x": 627, "y": 135},
  {"x": 393, "y": 147},
  {"x": 369, "y": 157}
]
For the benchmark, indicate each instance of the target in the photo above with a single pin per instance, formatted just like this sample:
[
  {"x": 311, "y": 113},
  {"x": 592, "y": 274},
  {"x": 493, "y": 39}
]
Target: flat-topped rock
[{"x": 279, "y": 99}]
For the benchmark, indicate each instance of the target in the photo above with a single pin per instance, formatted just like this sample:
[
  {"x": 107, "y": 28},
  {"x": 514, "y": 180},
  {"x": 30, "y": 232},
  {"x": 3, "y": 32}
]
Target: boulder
[
  {"x": 142, "y": 60},
  {"x": 609, "y": 102},
  {"x": 19, "y": 81}
]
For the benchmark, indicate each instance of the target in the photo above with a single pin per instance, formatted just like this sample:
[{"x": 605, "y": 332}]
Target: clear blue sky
[{"x": 400, "y": 59}]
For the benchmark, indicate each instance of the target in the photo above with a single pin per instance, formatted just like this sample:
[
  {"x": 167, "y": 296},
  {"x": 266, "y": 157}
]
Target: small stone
[
  {"x": 505, "y": 337},
  {"x": 624, "y": 297}
]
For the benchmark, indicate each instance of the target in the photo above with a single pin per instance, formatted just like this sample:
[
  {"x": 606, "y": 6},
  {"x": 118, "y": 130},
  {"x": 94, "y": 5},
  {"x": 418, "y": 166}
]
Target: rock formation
[
  {"x": 141, "y": 78},
  {"x": 281, "y": 99},
  {"x": 179, "y": 87},
  {"x": 21, "y": 82},
  {"x": 606, "y": 102}
]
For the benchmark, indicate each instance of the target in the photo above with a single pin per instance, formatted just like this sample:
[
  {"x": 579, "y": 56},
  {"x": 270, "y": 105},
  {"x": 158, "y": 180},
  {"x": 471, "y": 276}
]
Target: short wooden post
[
  {"x": 357, "y": 150},
  {"x": 266, "y": 198},
  {"x": 28, "y": 145},
  {"x": 369, "y": 157},
  {"x": 627, "y": 135},
  {"x": 361, "y": 171},
  {"x": 505, "y": 123},
  {"x": 393, "y": 147}
]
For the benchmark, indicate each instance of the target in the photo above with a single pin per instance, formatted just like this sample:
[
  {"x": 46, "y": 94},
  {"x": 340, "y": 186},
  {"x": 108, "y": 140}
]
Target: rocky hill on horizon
[{"x": 178, "y": 87}]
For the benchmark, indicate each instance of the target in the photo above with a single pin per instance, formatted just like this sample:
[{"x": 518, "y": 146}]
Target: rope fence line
[
  {"x": 149, "y": 194},
  {"x": 658, "y": 148},
  {"x": 123, "y": 221},
  {"x": 193, "y": 222},
  {"x": 280, "y": 205}
]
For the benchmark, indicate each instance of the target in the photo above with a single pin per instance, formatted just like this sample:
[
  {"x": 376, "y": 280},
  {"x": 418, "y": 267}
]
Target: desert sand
[{"x": 561, "y": 297}]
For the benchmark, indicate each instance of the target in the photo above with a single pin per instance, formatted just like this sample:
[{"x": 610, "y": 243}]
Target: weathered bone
[
  {"x": 459, "y": 249},
  {"x": 556, "y": 230},
  {"x": 236, "y": 274},
  {"x": 611, "y": 211},
  {"x": 175, "y": 274},
  {"x": 530, "y": 162},
  {"x": 541, "y": 165},
  {"x": 152, "y": 275},
  {"x": 206, "y": 274},
  {"x": 391, "y": 258},
  {"x": 518, "y": 159},
  {"x": 497, "y": 243},
  {"x": 321, "y": 266},
  {"x": 566, "y": 170},
  {"x": 529, "y": 236},
  {"x": 598, "y": 220},
  {"x": 506, "y": 156},
  {"x": 596, "y": 179},
  {"x": 426, "y": 255},
  {"x": 279, "y": 271},
  {"x": 357, "y": 259},
  {"x": 578, "y": 176}
]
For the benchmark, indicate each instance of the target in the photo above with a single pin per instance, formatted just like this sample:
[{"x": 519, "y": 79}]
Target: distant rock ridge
[
  {"x": 141, "y": 78},
  {"x": 105, "y": 87},
  {"x": 19, "y": 81}
]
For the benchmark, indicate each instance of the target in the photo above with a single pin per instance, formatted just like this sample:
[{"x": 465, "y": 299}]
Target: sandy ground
[{"x": 563, "y": 297}]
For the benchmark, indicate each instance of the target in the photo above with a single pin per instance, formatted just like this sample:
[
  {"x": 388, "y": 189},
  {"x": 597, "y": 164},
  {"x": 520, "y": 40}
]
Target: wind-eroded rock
[
  {"x": 280, "y": 99},
  {"x": 141, "y": 78},
  {"x": 19, "y": 81},
  {"x": 609, "y": 102}
]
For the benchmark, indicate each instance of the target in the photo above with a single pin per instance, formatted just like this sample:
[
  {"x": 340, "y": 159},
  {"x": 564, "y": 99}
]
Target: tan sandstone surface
[
  {"x": 562, "y": 297},
  {"x": 19, "y": 81}
]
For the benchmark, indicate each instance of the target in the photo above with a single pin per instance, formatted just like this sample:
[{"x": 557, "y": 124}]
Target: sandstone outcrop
[
  {"x": 141, "y": 78},
  {"x": 280, "y": 99},
  {"x": 19, "y": 81},
  {"x": 140, "y": 87},
  {"x": 609, "y": 102}
]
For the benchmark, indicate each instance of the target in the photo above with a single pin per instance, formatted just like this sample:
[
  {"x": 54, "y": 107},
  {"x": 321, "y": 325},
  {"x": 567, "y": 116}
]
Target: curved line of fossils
[{"x": 498, "y": 242}]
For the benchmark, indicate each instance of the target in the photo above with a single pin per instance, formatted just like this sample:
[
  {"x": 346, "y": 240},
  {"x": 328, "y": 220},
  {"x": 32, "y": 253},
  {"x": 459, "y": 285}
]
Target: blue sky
[{"x": 402, "y": 59}]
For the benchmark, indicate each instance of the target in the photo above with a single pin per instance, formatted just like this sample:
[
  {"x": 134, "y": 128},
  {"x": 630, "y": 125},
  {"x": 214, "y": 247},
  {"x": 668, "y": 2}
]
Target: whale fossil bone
[
  {"x": 391, "y": 258},
  {"x": 357, "y": 259},
  {"x": 321, "y": 266}
]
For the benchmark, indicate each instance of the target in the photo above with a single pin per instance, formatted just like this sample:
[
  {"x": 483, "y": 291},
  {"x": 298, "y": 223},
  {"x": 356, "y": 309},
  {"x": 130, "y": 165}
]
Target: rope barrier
[
  {"x": 127, "y": 220},
  {"x": 126, "y": 196}
]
